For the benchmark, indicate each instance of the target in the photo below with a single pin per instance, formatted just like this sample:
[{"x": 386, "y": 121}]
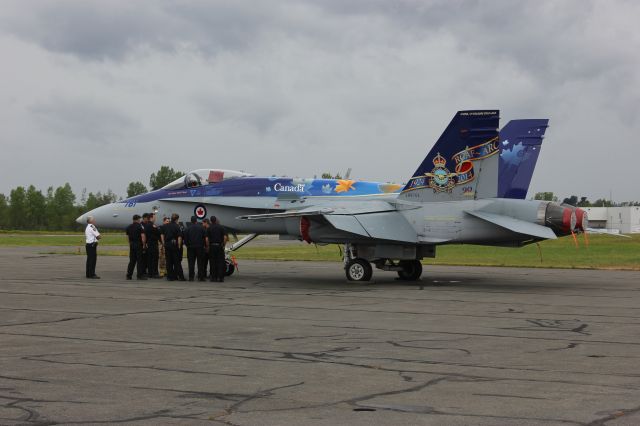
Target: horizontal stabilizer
[
  {"x": 515, "y": 225},
  {"x": 606, "y": 232}
]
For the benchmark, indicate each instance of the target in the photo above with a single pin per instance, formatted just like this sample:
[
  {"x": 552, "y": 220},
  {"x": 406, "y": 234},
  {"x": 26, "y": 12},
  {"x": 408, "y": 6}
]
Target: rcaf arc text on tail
[
  {"x": 467, "y": 190},
  {"x": 462, "y": 165}
]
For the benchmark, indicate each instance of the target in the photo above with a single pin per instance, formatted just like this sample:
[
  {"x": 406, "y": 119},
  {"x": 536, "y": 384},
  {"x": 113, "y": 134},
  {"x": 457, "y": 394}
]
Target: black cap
[{"x": 194, "y": 219}]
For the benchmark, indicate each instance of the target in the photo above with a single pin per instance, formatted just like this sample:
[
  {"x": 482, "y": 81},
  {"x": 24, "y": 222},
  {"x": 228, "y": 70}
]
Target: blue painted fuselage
[{"x": 272, "y": 187}]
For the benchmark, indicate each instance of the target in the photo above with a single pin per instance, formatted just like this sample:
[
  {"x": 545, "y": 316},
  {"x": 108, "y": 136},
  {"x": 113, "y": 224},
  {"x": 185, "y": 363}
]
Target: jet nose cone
[{"x": 81, "y": 219}]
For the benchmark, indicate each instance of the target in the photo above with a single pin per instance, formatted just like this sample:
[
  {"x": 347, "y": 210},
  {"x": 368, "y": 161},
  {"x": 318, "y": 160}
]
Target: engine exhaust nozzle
[{"x": 561, "y": 219}]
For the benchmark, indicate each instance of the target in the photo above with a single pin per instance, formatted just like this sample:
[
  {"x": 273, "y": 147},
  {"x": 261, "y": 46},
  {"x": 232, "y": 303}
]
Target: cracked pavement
[{"x": 294, "y": 343}]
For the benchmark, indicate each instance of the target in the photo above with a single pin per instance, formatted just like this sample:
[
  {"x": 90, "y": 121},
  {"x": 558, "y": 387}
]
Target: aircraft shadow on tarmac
[{"x": 443, "y": 281}]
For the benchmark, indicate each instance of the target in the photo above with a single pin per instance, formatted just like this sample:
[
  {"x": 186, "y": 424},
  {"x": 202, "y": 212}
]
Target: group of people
[{"x": 157, "y": 251}]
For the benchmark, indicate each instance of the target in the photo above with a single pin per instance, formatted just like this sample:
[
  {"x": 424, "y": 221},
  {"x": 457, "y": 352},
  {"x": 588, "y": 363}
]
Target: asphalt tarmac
[{"x": 288, "y": 343}]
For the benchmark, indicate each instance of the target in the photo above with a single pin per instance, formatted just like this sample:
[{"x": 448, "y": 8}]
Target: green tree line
[
  {"x": 28, "y": 208},
  {"x": 576, "y": 201}
]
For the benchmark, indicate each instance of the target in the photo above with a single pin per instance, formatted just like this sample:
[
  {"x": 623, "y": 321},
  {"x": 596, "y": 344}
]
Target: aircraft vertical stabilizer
[
  {"x": 463, "y": 164},
  {"x": 520, "y": 143}
]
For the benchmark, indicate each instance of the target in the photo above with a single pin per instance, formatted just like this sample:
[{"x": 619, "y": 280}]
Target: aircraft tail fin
[
  {"x": 520, "y": 143},
  {"x": 462, "y": 164}
]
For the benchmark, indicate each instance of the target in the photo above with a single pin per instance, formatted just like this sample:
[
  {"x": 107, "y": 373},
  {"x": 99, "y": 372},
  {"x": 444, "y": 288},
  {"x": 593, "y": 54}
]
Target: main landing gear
[
  {"x": 360, "y": 269},
  {"x": 411, "y": 270}
]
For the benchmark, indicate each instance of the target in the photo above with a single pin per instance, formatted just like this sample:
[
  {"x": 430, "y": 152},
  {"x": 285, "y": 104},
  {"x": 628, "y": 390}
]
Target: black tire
[
  {"x": 358, "y": 270},
  {"x": 411, "y": 270},
  {"x": 230, "y": 269}
]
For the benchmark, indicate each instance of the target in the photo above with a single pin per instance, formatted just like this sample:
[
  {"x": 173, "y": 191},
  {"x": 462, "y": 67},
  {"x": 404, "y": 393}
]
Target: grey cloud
[
  {"x": 341, "y": 81},
  {"x": 258, "y": 113},
  {"x": 98, "y": 30},
  {"x": 552, "y": 41},
  {"x": 558, "y": 40},
  {"x": 83, "y": 120}
]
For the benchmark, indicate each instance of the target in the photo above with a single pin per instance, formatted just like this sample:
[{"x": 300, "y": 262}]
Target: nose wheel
[
  {"x": 358, "y": 270},
  {"x": 230, "y": 268}
]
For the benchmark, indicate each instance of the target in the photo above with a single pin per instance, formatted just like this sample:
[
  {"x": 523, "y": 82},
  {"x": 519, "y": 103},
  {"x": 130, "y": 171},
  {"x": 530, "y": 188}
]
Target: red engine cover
[
  {"x": 305, "y": 226},
  {"x": 582, "y": 220}
]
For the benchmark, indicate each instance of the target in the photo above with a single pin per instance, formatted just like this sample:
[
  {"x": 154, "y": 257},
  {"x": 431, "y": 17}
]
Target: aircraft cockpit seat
[{"x": 192, "y": 180}]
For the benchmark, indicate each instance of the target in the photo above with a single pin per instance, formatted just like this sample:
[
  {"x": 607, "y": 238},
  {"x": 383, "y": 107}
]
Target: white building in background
[{"x": 625, "y": 220}]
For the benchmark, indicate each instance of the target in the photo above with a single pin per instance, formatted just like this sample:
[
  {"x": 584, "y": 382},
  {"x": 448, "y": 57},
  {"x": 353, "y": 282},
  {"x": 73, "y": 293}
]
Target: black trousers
[
  {"x": 152, "y": 259},
  {"x": 173, "y": 260},
  {"x": 179, "y": 271},
  {"x": 205, "y": 263},
  {"x": 218, "y": 266},
  {"x": 135, "y": 260},
  {"x": 195, "y": 255},
  {"x": 92, "y": 258}
]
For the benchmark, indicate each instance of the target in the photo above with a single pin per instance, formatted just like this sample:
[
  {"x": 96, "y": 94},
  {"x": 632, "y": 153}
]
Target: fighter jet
[
  {"x": 458, "y": 195},
  {"x": 520, "y": 142}
]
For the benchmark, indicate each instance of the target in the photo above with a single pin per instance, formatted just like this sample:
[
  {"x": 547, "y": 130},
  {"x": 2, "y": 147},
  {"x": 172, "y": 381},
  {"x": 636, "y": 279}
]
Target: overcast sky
[{"x": 101, "y": 93}]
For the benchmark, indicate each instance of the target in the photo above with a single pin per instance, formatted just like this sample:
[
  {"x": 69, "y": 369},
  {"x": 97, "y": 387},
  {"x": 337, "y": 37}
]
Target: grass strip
[{"x": 603, "y": 252}]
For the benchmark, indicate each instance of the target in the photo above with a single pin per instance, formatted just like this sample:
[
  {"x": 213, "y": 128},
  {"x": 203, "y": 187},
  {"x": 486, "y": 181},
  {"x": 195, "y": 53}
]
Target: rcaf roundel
[{"x": 200, "y": 211}]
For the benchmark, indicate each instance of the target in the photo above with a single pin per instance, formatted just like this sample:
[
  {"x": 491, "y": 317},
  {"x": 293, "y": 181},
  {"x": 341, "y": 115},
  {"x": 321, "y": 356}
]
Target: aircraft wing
[
  {"x": 389, "y": 225},
  {"x": 371, "y": 219},
  {"x": 515, "y": 225}
]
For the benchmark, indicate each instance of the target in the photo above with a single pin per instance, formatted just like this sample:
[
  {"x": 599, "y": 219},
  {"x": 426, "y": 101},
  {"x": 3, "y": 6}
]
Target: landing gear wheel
[
  {"x": 411, "y": 270},
  {"x": 358, "y": 270},
  {"x": 230, "y": 269}
]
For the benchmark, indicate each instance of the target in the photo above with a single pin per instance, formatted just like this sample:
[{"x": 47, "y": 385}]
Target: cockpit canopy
[{"x": 203, "y": 177}]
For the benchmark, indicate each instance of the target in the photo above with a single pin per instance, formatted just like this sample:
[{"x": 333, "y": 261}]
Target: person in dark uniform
[
  {"x": 162, "y": 258},
  {"x": 195, "y": 240},
  {"x": 217, "y": 238},
  {"x": 137, "y": 241},
  {"x": 152, "y": 233},
  {"x": 172, "y": 242},
  {"x": 145, "y": 266},
  {"x": 92, "y": 236},
  {"x": 205, "y": 262},
  {"x": 180, "y": 249},
  {"x": 180, "y": 252}
]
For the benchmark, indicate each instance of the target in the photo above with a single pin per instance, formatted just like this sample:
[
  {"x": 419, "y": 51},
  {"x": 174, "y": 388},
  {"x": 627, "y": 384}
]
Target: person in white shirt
[{"x": 92, "y": 236}]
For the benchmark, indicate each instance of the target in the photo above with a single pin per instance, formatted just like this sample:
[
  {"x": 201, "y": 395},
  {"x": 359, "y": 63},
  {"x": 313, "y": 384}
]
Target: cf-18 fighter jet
[{"x": 468, "y": 190}]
